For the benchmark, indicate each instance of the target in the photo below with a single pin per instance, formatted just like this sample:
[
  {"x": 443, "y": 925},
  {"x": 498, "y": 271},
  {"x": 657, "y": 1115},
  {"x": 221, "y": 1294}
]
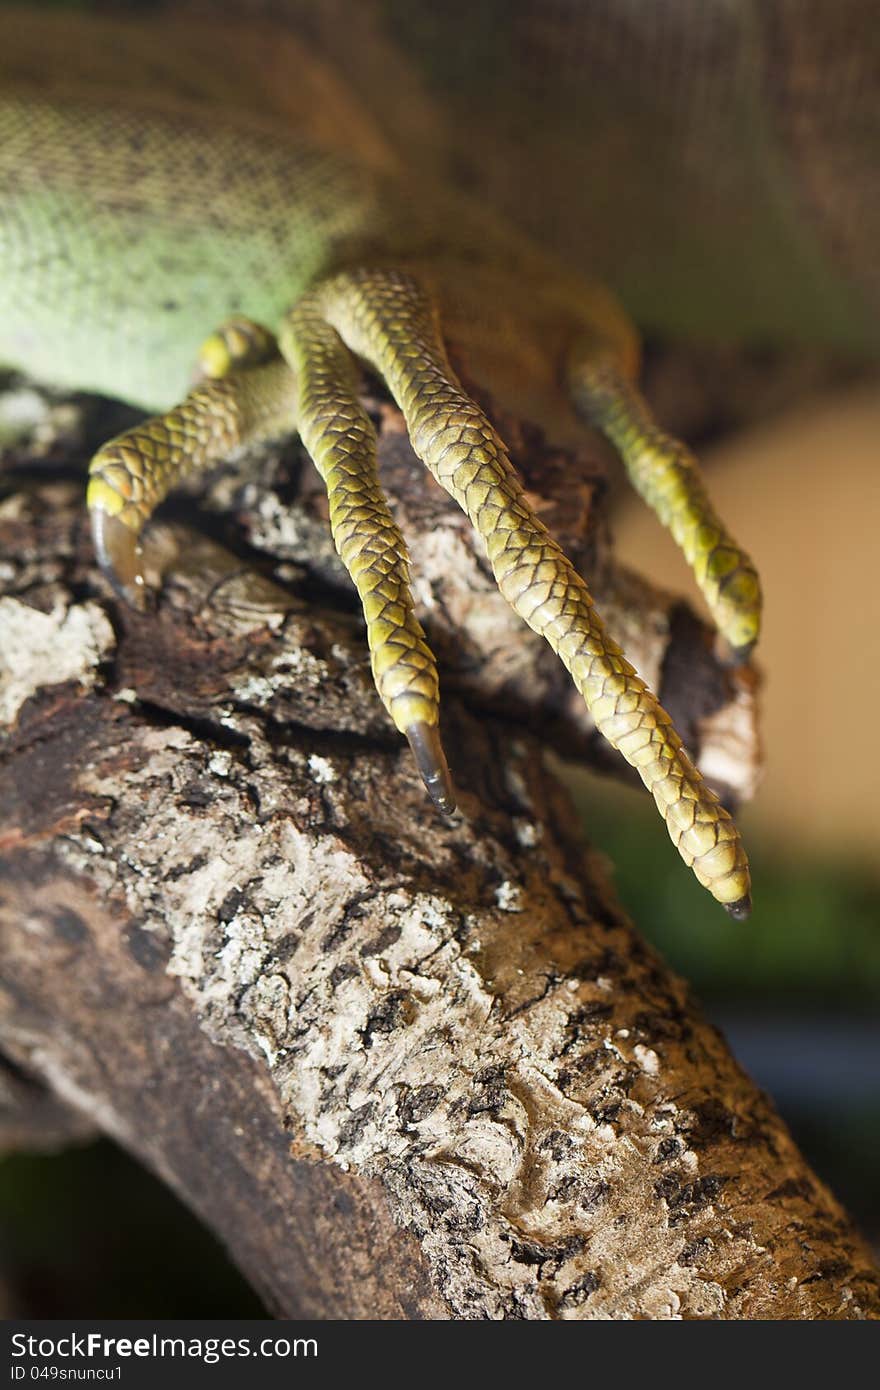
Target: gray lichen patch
[{"x": 39, "y": 649}]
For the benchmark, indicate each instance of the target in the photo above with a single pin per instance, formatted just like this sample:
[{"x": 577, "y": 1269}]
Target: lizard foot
[
  {"x": 385, "y": 318},
  {"x": 249, "y": 392}
]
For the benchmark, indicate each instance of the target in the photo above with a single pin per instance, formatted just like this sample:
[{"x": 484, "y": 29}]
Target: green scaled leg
[
  {"x": 667, "y": 476},
  {"x": 132, "y": 474},
  {"x": 384, "y": 317}
]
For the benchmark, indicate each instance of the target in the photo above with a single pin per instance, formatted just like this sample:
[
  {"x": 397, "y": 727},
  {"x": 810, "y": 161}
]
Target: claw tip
[
  {"x": 119, "y": 557},
  {"x": 741, "y": 909},
  {"x": 424, "y": 740}
]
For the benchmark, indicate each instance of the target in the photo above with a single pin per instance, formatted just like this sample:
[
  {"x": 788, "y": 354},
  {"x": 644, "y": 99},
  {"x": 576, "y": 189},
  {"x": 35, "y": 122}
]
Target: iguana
[{"x": 159, "y": 208}]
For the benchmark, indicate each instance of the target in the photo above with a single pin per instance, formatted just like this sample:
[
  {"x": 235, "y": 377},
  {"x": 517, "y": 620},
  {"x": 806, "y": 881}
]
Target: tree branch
[{"x": 404, "y": 1068}]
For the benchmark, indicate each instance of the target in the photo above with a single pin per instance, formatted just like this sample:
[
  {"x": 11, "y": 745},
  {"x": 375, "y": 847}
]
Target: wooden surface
[{"x": 404, "y": 1068}]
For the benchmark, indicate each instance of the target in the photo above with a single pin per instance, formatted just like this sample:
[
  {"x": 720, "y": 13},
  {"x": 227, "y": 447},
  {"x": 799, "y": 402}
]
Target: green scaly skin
[{"x": 127, "y": 235}]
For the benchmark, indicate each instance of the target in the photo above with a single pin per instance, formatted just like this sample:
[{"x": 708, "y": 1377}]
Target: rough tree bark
[{"x": 404, "y": 1068}]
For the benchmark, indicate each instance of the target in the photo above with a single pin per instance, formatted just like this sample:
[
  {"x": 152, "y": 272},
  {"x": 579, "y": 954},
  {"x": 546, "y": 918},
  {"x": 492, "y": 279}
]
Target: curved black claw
[
  {"x": 740, "y": 910},
  {"x": 118, "y": 553},
  {"x": 424, "y": 740}
]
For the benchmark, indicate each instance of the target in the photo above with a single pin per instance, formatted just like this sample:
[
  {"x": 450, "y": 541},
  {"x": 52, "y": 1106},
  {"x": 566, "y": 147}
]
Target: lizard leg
[
  {"x": 130, "y": 475},
  {"x": 667, "y": 476},
  {"x": 385, "y": 318},
  {"x": 341, "y": 440}
]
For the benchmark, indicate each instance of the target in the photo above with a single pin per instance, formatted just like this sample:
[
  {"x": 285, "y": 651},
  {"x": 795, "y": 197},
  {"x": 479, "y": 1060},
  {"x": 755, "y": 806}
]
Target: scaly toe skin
[
  {"x": 341, "y": 439},
  {"x": 118, "y": 552},
  {"x": 424, "y": 740},
  {"x": 237, "y": 344},
  {"x": 667, "y": 476}
]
